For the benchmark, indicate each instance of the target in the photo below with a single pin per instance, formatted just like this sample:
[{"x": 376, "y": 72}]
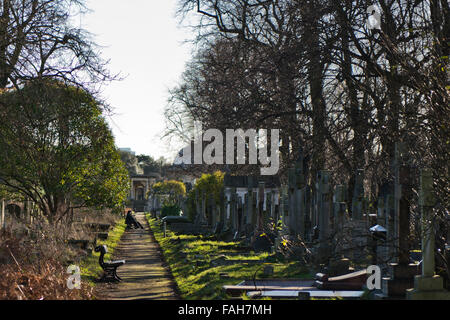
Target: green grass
[
  {"x": 190, "y": 257},
  {"x": 90, "y": 269}
]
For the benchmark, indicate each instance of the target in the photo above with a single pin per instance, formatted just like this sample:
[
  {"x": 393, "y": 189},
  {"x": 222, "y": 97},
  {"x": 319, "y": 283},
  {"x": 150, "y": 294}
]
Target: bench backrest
[{"x": 103, "y": 250}]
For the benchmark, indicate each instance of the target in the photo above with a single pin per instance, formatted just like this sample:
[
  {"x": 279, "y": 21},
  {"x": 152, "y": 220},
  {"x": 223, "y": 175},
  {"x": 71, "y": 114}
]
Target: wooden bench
[{"x": 109, "y": 267}]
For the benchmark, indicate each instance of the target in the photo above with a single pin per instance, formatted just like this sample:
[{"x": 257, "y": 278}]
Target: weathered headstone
[
  {"x": 339, "y": 217},
  {"x": 324, "y": 208},
  {"x": 402, "y": 272},
  {"x": 385, "y": 217},
  {"x": 339, "y": 207},
  {"x": 307, "y": 214},
  {"x": 427, "y": 286},
  {"x": 284, "y": 206}
]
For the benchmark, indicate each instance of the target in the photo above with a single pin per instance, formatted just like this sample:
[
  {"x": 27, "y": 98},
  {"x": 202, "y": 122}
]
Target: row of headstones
[
  {"x": 246, "y": 209},
  {"x": 321, "y": 215},
  {"x": 318, "y": 213},
  {"x": 330, "y": 216},
  {"x": 241, "y": 209}
]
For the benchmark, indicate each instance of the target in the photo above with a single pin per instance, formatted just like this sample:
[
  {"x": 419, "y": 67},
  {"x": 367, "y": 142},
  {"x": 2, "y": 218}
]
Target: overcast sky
[{"x": 144, "y": 42}]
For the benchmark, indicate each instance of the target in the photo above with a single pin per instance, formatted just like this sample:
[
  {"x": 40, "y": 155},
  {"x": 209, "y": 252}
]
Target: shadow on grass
[{"x": 189, "y": 258}]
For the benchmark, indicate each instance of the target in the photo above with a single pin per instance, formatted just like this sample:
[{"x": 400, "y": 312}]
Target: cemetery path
[{"x": 144, "y": 275}]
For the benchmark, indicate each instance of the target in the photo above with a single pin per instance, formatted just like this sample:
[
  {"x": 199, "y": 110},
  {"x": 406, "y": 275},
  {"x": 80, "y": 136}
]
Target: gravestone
[
  {"x": 251, "y": 183},
  {"x": 339, "y": 217},
  {"x": 324, "y": 209},
  {"x": 273, "y": 212},
  {"x": 233, "y": 203},
  {"x": 339, "y": 207},
  {"x": 260, "y": 217},
  {"x": 284, "y": 207},
  {"x": 385, "y": 217},
  {"x": 307, "y": 215},
  {"x": 427, "y": 286},
  {"x": 402, "y": 271}
]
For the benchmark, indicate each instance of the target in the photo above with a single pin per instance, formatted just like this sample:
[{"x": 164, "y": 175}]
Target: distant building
[
  {"x": 128, "y": 150},
  {"x": 141, "y": 180}
]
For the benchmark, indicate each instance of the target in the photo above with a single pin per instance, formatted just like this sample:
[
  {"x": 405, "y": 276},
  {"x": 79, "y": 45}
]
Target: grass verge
[
  {"x": 90, "y": 269},
  {"x": 189, "y": 258}
]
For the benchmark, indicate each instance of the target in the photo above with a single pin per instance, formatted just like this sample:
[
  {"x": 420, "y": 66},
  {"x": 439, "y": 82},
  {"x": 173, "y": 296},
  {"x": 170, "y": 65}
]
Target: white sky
[{"x": 143, "y": 39}]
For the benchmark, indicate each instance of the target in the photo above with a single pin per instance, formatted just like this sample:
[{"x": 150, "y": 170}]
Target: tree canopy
[{"x": 57, "y": 149}]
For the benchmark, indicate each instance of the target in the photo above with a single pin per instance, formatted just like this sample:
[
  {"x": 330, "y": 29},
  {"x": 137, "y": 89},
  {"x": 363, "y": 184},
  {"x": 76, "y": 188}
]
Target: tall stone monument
[{"x": 428, "y": 285}]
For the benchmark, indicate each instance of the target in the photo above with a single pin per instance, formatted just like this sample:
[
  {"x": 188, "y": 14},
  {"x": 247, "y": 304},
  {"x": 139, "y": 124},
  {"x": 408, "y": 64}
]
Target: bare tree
[{"x": 38, "y": 39}]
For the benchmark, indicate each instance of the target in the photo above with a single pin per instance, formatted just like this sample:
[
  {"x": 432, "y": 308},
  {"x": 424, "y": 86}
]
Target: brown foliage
[{"x": 23, "y": 276}]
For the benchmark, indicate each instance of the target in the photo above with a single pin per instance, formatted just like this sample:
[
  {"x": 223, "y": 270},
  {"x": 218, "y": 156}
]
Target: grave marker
[
  {"x": 324, "y": 207},
  {"x": 402, "y": 272},
  {"x": 427, "y": 286}
]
